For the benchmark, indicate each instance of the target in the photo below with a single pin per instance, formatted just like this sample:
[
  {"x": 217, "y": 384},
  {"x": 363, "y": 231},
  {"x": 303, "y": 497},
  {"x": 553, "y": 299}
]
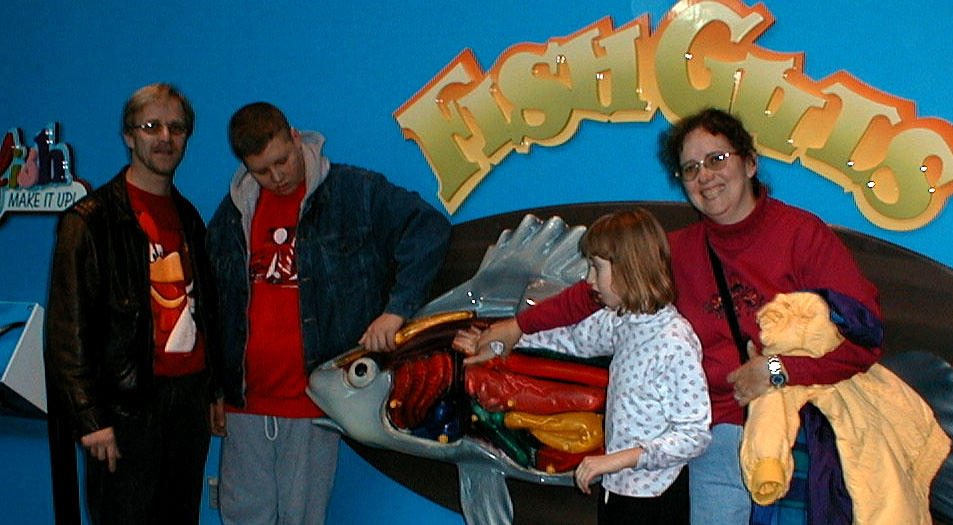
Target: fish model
[{"x": 420, "y": 400}]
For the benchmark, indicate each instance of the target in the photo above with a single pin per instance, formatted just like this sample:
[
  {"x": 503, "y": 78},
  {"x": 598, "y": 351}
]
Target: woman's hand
[
  {"x": 468, "y": 342},
  {"x": 752, "y": 378},
  {"x": 217, "y": 417},
  {"x": 478, "y": 344}
]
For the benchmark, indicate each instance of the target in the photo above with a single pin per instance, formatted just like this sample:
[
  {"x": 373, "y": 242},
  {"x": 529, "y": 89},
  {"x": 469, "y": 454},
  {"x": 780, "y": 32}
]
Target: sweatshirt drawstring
[{"x": 268, "y": 435}]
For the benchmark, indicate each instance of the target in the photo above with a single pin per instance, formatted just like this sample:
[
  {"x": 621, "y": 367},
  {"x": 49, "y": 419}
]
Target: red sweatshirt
[{"x": 777, "y": 249}]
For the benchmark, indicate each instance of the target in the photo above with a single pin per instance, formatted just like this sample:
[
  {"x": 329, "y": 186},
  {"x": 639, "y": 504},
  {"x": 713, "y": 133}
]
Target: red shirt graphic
[
  {"x": 179, "y": 347},
  {"x": 275, "y": 373}
]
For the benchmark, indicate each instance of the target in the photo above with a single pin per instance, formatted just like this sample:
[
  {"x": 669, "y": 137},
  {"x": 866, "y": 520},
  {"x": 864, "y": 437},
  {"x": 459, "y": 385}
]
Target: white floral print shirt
[{"x": 657, "y": 397}]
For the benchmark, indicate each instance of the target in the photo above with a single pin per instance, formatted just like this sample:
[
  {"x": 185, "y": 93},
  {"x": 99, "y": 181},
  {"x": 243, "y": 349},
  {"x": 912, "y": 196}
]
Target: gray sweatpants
[{"x": 276, "y": 471}]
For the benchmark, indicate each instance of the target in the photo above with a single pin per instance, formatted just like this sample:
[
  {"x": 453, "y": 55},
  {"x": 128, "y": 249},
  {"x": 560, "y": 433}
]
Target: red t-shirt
[
  {"x": 275, "y": 374},
  {"x": 179, "y": 346}
]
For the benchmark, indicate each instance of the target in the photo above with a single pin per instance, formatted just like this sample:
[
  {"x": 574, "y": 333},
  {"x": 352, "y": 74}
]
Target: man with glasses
[{"x": 130, "y": 352}]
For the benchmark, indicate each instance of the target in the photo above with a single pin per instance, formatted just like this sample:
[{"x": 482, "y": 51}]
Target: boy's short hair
[
  {"x": 253, "y": 126},
  {"x": 636, "y": 245}
]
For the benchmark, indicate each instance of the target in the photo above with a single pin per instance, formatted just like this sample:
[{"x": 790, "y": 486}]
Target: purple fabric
[
  {"x": 828, "y": 500},
  {"x": 854, "y": 320}
]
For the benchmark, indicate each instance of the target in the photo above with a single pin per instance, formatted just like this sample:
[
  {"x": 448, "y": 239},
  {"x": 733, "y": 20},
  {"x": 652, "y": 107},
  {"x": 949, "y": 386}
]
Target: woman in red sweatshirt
[{"x": 766, "y": 247}]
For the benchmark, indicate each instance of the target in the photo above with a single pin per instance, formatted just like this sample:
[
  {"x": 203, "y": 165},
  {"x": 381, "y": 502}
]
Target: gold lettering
[
  {"x": 532, "y": 80},
  {"x": 616, "y": 70},
  {"x": 570, "y": 79},
  {"x": 434, "y": 124},
  {"x": 769, "y": 106},
  {"x": 684, "y": 86},
  {"x": 490, "y": 121},
  {"x": 898, "y": 168},
  {"x": 839, "y": 157},
  {"x": 906, "y": 168}
]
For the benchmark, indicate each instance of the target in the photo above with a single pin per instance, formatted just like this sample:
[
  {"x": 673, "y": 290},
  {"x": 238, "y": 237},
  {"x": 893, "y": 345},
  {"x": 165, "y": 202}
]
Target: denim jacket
[{"x": 364, "y": 246}]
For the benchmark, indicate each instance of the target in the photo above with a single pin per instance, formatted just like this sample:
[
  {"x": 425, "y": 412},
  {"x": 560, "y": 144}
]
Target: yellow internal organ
[{"x": 572, "y": 432}]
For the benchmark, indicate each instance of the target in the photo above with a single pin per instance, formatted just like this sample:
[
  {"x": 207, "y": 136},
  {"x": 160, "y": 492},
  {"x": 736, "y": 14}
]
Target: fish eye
[{"x": 362, "y": 372}]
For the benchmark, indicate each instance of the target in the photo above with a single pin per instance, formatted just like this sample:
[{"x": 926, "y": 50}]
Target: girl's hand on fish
[
  {"x": 466, "y": 340},
  {"x": 497, "y": 340}
]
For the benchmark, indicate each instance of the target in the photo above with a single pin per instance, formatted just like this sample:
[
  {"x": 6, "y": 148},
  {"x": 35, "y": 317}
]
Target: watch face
[{"x": 775, "y": 370}]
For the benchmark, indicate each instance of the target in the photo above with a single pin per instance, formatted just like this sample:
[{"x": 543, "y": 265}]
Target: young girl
[{"x": 657, "y": 406}]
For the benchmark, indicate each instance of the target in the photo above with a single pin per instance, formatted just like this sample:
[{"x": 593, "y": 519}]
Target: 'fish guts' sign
[{"x": 897, "y": 166}]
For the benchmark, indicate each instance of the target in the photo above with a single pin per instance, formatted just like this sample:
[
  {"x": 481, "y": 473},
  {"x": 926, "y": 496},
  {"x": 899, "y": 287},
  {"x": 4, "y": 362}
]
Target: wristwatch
[
  {"x": 497, "y": 346},
  {"x": 776, "y": 372}
]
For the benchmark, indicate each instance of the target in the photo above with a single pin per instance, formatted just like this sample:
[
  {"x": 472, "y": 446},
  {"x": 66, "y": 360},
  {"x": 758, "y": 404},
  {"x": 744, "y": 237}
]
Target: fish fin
[
  {"x": 533, "y": 261},
  {"x": 484, "y": 497},
  {"x": 328, "y": 424}
]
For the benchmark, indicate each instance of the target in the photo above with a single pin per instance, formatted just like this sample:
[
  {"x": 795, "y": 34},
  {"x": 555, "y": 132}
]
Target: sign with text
[
  {"x": 37, "y": 178},
  {"x": 897, "y": 166}
]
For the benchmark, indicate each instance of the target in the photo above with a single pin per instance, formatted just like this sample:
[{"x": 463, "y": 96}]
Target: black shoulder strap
[{"x": 728, "y": 305}]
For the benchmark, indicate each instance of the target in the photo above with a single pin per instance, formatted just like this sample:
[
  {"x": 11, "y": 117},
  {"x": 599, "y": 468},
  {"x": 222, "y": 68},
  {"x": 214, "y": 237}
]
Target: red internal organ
[{"x": 417, "y": 386}]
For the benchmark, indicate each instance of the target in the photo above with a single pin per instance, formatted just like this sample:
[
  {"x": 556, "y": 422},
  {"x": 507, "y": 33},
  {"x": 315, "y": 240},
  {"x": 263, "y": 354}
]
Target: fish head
[
  {"x": 401, "y": 399},
  {"x": 352, "y": 391}
]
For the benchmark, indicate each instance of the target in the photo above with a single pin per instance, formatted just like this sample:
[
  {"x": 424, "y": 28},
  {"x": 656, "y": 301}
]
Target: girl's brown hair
[{"x": 636, "y": 245}]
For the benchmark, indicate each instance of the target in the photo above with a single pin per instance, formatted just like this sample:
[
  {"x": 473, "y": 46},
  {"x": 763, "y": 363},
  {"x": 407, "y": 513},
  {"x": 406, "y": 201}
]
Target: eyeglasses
[
  {"x": 154, "y": 127},
  {"x": 715, "y": 161}
]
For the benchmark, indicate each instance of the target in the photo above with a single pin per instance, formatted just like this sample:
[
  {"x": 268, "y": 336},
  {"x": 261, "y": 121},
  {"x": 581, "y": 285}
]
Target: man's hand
[
  {"x": 217, "y": 417},
  {"x": 752, "y": 378},
  {"x": 101, "y": 444},
  {"x": 380, "y": 334}
]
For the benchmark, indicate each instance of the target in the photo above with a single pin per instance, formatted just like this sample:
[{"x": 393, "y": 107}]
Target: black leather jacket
[{"x": 99, "y": 343}]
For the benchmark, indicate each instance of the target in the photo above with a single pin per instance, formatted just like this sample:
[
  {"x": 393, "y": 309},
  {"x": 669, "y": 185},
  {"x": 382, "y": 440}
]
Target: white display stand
[{"x": 22, "y": 382}]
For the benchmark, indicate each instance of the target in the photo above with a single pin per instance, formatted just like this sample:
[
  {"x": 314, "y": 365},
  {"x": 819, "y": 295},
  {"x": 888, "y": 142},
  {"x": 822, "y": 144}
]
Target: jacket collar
[
  {"x": 244, "y": 190},
  {"x": 119, "y": 195}
]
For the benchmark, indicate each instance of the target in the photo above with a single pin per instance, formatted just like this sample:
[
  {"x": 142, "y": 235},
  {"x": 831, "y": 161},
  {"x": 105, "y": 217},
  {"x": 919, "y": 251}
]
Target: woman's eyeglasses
[{"x": 715, "y": 161}]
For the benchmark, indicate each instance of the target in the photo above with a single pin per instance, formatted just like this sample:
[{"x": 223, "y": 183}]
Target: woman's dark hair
[{"x": 716, "y": 122}]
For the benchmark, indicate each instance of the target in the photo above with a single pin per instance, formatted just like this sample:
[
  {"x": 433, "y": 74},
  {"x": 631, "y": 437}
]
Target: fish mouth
[{"x": 353, "y": 411}]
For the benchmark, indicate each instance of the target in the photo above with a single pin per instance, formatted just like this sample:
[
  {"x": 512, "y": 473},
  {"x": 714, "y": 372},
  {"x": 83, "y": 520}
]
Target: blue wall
[{"x": 342, "y": 68}]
